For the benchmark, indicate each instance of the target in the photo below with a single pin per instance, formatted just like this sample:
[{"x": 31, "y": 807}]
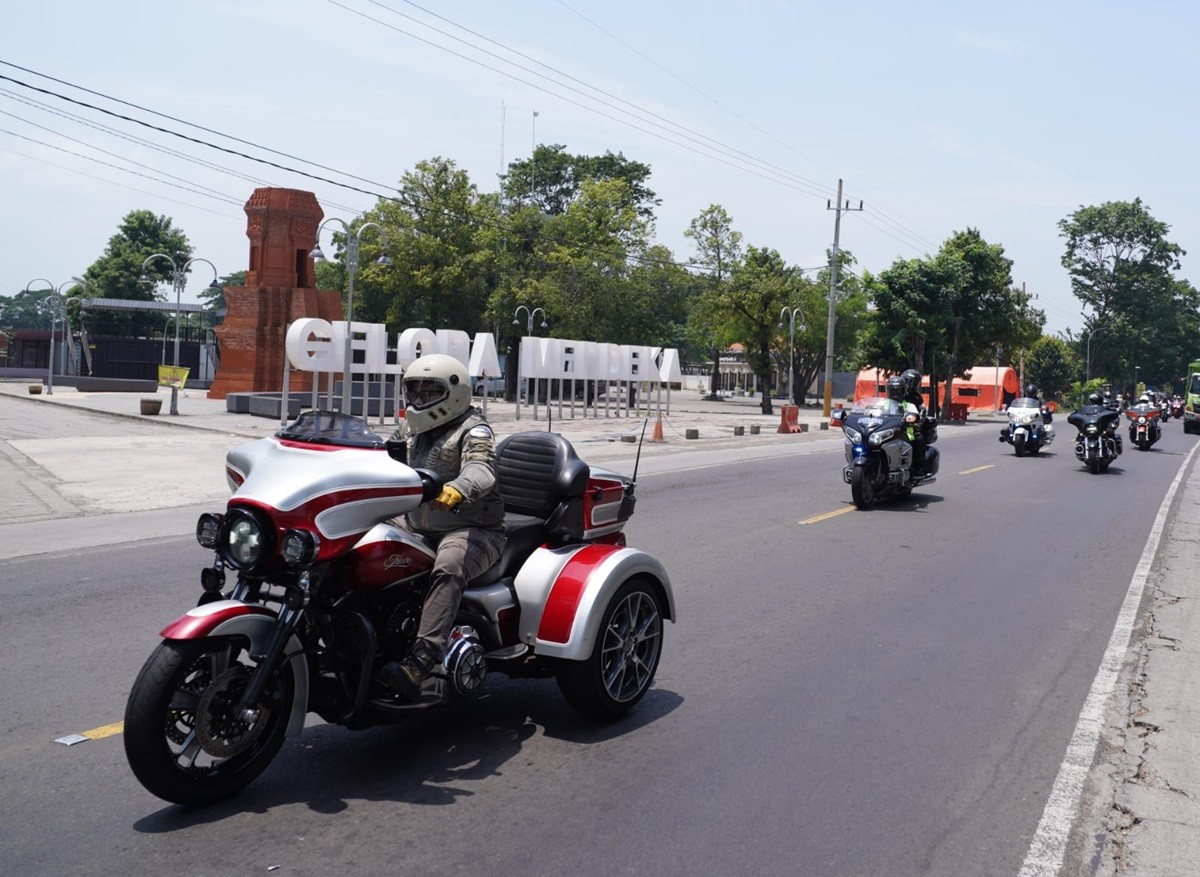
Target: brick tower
[{"x": 280, "y": 287}]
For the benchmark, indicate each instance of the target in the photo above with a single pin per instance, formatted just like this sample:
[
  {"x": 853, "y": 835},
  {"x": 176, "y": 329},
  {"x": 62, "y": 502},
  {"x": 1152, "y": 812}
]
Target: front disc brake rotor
[{"x": 222, "y": 731}]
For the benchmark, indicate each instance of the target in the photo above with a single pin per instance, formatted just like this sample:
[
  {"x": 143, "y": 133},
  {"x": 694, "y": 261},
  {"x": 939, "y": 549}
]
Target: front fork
[{"x": 289, "y": 616}]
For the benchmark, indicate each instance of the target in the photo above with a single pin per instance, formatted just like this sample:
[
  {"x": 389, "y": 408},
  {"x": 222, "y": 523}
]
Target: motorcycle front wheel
[
  {"x": 184, "y": 737},
  {"x": 862, "y": 486},
  {"x": 625, "y": 658},
  {"x": 1019, "y": 445}
]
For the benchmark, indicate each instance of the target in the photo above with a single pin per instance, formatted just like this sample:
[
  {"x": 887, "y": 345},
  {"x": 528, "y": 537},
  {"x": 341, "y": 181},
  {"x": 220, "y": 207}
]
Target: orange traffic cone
[{"x": 658, "y": 436}]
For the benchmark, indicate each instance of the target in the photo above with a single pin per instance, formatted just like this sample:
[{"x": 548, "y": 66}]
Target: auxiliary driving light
[
  {"x": 300, "y": 547},
  {"x": 208, "y": 530}
]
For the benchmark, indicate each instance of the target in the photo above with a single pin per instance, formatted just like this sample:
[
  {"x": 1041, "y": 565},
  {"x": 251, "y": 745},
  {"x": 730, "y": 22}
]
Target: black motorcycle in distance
[{"x": 1098, "y": 442}]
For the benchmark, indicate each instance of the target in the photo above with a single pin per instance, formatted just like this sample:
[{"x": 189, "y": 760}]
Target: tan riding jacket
[{"x": 463, "y": 454}]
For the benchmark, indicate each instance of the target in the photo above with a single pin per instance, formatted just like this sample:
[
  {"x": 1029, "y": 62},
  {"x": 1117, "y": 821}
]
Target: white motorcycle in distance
[{"x": 1029, "y": 428}]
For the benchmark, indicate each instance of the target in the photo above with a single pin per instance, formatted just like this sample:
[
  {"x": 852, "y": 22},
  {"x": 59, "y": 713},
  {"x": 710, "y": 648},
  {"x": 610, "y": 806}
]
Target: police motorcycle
[
  {"x": 879, "y": 456},
  {"x": 1144, "y": 428},
  {"x": 1029, "y": 428},
  {"x": 1098, "y": 442},
  {"x": 311, "y": 590}
]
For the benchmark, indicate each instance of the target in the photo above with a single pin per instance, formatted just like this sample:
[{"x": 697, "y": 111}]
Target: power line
[
  {"x": 697, "y": 137},
  {"x": 807, "y": 189},
  {"x": 113, "y": 182},
  {"x": 149, "y": 144}
]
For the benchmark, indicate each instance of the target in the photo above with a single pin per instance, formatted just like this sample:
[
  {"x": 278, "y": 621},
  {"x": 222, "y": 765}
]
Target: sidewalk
[{"x": 1150, "y": 786}]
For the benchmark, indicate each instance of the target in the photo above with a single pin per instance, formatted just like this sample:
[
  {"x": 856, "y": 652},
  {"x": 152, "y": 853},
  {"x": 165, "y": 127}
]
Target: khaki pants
[{"x": 461, "y": 555}]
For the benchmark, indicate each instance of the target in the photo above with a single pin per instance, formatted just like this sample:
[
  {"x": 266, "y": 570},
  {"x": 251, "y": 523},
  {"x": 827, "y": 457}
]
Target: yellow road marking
[
  {"x": 977, "y": 469},
  {"x": 816, "y": 519},
  {"x": 104, "y": 731}
]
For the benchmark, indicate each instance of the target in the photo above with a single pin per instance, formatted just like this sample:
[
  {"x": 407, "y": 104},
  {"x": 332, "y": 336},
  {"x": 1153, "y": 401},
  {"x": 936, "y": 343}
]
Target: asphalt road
[{"x": 884, "y": 692}]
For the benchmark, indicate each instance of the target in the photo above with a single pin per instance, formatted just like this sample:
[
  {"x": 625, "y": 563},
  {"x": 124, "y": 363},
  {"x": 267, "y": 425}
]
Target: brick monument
[{"x": 280, "y": 288}]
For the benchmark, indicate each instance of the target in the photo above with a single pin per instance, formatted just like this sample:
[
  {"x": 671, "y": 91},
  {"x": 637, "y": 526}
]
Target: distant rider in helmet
[
  {"x": 464, "y": 523},
  {"x": 912, "y": 396},
  {"x": 897, "y": 388}
]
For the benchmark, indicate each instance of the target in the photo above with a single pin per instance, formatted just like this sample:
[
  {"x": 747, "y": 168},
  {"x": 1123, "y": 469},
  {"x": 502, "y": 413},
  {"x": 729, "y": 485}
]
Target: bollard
[
  {"x": 755, "y": 429},
  {"x": 692, "y": 434},
  {"x": 824, "y": 424},
  {"x": 739, "y": 430}
]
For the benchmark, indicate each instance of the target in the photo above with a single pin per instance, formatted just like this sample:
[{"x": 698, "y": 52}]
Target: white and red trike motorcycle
[{"x": 324, "y": 591}]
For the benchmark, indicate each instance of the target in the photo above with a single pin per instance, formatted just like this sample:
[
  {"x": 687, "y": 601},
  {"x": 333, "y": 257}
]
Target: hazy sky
[{"x": 939, "y": 116}]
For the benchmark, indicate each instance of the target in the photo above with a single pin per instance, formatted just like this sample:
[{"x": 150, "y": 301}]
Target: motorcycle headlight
[
  {"x": 882, "y": 436},
  {"x": 1141, "y": 420},
  {"x": 300, "y": 547},
  {"x": 246, "y": 541},
  {"x": 853, "y": 434},
  {"x": 208, "y": 530},
  {"x": 1092, "y": 429}
]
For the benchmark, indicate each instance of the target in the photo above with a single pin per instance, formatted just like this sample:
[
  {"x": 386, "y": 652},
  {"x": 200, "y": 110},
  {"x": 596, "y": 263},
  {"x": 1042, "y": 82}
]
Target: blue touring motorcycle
[{"x": 879, "y": 456}]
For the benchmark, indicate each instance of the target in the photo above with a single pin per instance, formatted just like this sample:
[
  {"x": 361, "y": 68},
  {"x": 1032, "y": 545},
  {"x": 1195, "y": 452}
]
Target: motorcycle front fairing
[{"x": 339, "y": 492}]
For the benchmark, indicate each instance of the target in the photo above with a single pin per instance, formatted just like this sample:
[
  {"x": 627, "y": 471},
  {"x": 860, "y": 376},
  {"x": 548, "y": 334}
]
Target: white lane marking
[{"x": 1049, "y": 844}]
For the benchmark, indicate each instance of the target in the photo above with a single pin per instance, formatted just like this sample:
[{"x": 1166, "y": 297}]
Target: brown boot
[{"x": 406, "y": 676}]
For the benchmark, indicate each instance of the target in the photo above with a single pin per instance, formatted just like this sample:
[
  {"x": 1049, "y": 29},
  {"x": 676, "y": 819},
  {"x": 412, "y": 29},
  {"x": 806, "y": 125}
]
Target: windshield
[
  {"x": 875, "y": 406},
  {"x": 1025, "y": 402},
  {"x": 1194, "y": 389},
  {"x": 331, "y": 428}
]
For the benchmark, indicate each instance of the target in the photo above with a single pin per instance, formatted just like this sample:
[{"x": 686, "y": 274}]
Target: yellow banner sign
[{"x": 172, "y": 376}]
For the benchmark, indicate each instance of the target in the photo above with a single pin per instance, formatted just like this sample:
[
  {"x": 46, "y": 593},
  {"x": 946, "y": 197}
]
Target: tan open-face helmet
[{"x": 437, "y": 389}]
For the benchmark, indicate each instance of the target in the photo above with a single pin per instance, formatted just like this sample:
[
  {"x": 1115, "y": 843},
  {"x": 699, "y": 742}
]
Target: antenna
[{"x": 638, "y": 459}]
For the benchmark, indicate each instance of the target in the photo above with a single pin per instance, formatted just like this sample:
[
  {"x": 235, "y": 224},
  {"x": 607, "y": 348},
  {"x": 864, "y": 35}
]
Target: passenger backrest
[{"x": 537, "y": 471}]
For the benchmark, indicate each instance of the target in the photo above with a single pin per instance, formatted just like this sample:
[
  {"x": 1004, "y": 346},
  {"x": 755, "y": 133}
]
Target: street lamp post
[
  {"x": 178, "y": 282},
  {"x": 353, "y": 238},
  {"x": 54, "y": 305},
  {"x": 528, "y": 331},
  {"x": 792, "y": 347}
]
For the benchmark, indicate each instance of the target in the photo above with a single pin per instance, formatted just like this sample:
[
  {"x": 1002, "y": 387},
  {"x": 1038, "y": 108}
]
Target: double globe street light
[
  {"x": 791, "y": 312},
  {"x": 529, "y": 314},
  {"x": 353, "y": 238},
  {"x": 178, "y": 282},
  {"x": 54, "y": 306}
]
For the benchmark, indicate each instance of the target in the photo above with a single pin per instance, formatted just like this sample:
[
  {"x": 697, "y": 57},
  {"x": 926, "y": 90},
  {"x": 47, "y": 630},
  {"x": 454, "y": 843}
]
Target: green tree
[
  {"x": 553, "y": 178},
  {"x": 116, "y": 273},
  {"x": 1121, "y": 265},
  {"x": 1051, "y": 365},
  {"x": 214, "y": 297},
  {"x": 25, "y": 310},
  {"x": 718, "y": 249},
  {"x": 442, "y": 270},
  {"x": 758, "y": 288}
]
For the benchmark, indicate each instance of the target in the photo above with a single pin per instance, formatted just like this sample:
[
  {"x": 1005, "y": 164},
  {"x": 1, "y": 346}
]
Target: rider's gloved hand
[{"x": 447, "y": 499}]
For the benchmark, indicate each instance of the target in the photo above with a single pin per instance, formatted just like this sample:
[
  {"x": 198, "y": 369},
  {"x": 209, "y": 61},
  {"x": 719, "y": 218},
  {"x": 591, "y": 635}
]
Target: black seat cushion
[{"x": 537, "y": 471}]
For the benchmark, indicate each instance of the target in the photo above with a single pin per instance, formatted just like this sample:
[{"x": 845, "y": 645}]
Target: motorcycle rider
[
  {"x": 899, "y": 390},
  {"x": 464, "y": 523},
  {"x": 913, "y": 397}
]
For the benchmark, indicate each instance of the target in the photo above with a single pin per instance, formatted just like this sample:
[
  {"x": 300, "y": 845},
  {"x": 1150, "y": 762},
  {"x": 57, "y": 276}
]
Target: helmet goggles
[{"x": 424, "y": 392}]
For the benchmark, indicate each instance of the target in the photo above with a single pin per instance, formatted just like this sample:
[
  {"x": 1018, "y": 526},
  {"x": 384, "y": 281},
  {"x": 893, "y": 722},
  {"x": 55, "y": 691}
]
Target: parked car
[{"x": 493, "y": 386}]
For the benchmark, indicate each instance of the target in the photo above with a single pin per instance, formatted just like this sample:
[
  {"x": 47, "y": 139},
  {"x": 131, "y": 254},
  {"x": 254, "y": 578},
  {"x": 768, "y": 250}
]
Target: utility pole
[{"x": 834, "y": 261}]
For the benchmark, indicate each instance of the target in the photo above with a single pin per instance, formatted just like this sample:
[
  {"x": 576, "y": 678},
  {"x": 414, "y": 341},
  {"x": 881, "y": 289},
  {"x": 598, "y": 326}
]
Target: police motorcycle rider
[
  {"x": 443, "y": 432},
  {"x": 1031, "y": 392},
  {"x": 915, "y": 404},
  {"x": 899, "y": 389}
]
